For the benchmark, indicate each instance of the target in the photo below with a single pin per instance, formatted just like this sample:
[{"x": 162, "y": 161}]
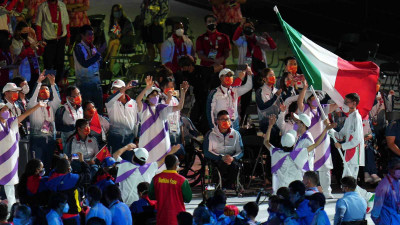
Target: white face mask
[
  {"x": 345, "y": 109},
  {"x": 25, "y": 89},
  {"x": 179, "y": 32}
]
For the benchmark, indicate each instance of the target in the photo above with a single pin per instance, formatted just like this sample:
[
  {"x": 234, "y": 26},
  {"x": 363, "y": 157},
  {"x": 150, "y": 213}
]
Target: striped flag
[{"x": 328, "y": 72}]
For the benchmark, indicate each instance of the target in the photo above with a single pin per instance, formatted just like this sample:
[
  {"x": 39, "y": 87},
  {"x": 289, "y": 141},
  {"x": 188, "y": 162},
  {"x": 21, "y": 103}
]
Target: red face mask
[
  {"x": 92, "y": 111},
  {"x": 288, "y": 83},
  {"x": 90, "y": 39},
  {"x": 225, "y": 124},
  {"x": 166, "y": 90},
  {"x": 271, "y": 80},
  {"x": 378, "y": 86},
  {"x": 228, "y": 81},
  {"x": 292, "y": 69},
  {"x": 44, "y": 94},
  {"x": 86, "y": 131},
  {"x": 14, "y": 96},
  {"x": 78, "y": 100}
]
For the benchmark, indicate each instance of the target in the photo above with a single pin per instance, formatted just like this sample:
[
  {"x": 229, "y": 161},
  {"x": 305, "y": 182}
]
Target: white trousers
[
  {"x": 275, "y": 183},
  {"x": 10, "y": 193},
  {"x": 354, "y": 173},
  {"x": 325, "y": 181}
]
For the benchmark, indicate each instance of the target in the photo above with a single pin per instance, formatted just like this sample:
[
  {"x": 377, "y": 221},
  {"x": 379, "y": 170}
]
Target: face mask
[
  {"x": 154, "y": 100},
  {"x": 248, "y": 31},
  {"x": 44, "y": 94},
  {"x": 25, "y": 89},
  {"x": 24, "y": 35},
  {"x": 228, "y": 81},
  {"x": 314, "y": 103},
  {"x": 5, "y": 115},
  {"x": 225, "y": 124},
  {"x": 42, "y": 172},
  {"x": 211, "y": 26},
  {"x": 179, "y": 32},
  {"x": 166, "y": 90},
  {"x": 92, "y": 111},
  {"x": 66, "y": 208},
  {"x": 113, "y": 91},
  {"x": 271, "y": 80},
  {"x": 292, "y": 69},
  {"x": 117, "y": 14},
  {"x": 90, "y": 39},
  {"x": 345, "y": 109},
  {"x": 397, "y": 174},
  {"x": 378, "y": 87},
  {"x": 288, "y": 83},
  {"x": 14, "y": 96},
  {"x": 19, "y": 221},
  {"x": 78, "y": 100},
  {"x": 86, "y": 131}
]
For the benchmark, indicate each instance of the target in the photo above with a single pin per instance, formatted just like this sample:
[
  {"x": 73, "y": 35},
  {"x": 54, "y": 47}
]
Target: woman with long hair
[{"x": 120, "y": 31}]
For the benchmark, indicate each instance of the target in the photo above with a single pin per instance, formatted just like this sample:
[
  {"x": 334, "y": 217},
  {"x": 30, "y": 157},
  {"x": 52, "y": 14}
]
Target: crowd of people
[{"x": 85, "y": 155}]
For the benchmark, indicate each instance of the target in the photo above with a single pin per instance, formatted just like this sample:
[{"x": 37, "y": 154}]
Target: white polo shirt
[
  {"x": 130, "y": 175},
  {"x": 120, "y": 115},
  {"x": 88, "y": 147}
]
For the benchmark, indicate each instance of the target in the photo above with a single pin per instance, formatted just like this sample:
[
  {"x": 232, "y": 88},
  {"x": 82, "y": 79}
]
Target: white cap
[
  {"x": 118, "y": 84},
  {"x": 293, "y": 132},
  {"x": 225, "y": 71},
  {"x": 2, "y": 105},
  {"x": 141, "y": 153},
  {"x": 303, "y": 118},
  {"x": 288, "y": 140},
  {"x": 151, "y": 90},
  {"x": 11, "y": 87},
  {"x": 320, "y": 95}
]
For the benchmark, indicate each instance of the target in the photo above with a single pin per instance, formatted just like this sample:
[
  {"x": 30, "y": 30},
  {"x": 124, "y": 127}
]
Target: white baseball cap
[
  {"x": 320, "y": 95},
  {"x": 303, "y": 118},
  {"x": 141, "y": 153},
  {"x": 118, "y": 84},
  {"x": 293, "y": 132},
  {"x": 151, "y": 90},
  {"x": 2, "y": 105},
  {"x": 225, "y": 71},
  {"x": 288, "y": 140},
  {"x": 11, "y": 87}
]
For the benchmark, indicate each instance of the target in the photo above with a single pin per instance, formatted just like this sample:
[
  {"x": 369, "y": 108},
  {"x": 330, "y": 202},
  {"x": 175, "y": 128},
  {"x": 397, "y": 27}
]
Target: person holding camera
[{"x": 122, "y": 111}]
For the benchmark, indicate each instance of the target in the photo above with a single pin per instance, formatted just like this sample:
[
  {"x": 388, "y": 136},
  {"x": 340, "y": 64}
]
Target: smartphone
[
  {"x": 242, "y": 67},
  {"x": 74, "y": 156},
  {"x": 50, "y": 72},
  {"x": 135, "y": 83}
]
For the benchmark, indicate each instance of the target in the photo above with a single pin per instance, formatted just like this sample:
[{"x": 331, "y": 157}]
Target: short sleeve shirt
[{"x": 394, "y": 130}]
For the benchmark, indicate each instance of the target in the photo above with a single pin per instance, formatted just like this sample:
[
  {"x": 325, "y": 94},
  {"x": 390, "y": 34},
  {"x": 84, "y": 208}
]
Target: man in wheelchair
[{"x": 223, "y": 146}]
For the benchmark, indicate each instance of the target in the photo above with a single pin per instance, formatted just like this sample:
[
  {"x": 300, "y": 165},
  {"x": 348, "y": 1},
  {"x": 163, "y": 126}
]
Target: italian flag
[{"x": 328, "y": 72}]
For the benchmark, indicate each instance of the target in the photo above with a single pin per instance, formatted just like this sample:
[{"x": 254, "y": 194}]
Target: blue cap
[{"x": 109, "y": 161}]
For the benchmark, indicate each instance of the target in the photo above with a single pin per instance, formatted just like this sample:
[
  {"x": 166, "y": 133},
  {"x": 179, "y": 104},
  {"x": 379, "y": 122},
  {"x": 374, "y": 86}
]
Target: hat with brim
[
  {"x": 118, "y": 84},
  {"x": 149, "y": 91},
  {"x": 288, "y": 140},
  {"x": 303, "y": 118},
  {"x": 11, "y": 87},
  {"x": 225, "y": 71},
  {"x": 142, "y": 154},
  {"x": 2, "y": 105}
]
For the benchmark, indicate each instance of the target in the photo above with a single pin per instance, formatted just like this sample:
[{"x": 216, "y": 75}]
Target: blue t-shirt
[
  {"x": 394, "y": 130},
  {"x": 120, "y": 213}
]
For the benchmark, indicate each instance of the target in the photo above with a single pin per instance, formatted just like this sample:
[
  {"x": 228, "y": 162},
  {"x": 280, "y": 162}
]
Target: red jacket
[{"x": 170, "y": 190}]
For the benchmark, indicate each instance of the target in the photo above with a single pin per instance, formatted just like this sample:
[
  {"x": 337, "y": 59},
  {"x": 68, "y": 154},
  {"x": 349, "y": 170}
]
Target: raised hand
[
  {"x": 175, "y": 148},
  {"x": 52, "y": 78},
  {"x": 249, "y": 71},
  {"x": 184, "y": 86},
  {"x": 279, "y": 92},
  {"x": 149, "y": 82},
  {"x": 41, "y": 77},
  {"x": 130, "y": 146},
  {"x": 282, "y": 107},
  {"x": 170, "y": 93},
  {"x": 271, "y": 119}
]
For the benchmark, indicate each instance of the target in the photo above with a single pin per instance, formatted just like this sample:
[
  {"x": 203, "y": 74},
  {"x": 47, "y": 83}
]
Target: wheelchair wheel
[{"x": 193, "y": 168}]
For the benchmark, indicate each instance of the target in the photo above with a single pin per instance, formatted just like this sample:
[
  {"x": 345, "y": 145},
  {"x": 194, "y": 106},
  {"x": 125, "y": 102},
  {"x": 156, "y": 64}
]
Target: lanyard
[
  {"x": 216, "y": 41},
  {"x": 394, "y": 192},
  {"x": 70, "y": 111}
]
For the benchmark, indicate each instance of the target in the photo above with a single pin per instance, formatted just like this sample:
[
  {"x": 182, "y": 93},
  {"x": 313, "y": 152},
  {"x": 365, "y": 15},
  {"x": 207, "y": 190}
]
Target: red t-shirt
[
  {"x": 215, "y": 40},
  {"x": 167, "y": 187}
]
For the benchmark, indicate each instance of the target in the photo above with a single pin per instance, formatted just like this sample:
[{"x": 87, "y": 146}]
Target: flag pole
[{"x": 331, "y": 131}]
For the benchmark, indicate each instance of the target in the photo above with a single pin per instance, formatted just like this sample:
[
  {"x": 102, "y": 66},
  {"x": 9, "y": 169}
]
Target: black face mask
[
  {"x": 248, "y": 31},
  {"x": 24, "y": 35},
  {"x": 212, "y": 26}
]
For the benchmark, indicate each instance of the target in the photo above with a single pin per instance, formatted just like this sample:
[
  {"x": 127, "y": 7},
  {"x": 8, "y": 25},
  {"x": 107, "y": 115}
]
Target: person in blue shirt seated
[
  {"x": 120, "y": 212},
  {"x": 310, "y": 180},
  {"x": 317, "y": 204},
  {"x": 93, "y": 197},
  {"x": 143, "y": 209},
  {"x": 297, "y": 197},
  {"x": 58, "y": 205},
  {"x": 352, "y": 207}
]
